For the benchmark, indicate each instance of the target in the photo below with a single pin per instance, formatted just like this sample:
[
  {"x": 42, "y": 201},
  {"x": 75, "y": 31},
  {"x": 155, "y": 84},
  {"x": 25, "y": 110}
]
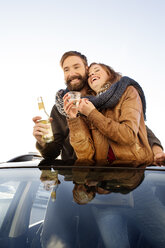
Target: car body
[{"x": 56, "y": 204}]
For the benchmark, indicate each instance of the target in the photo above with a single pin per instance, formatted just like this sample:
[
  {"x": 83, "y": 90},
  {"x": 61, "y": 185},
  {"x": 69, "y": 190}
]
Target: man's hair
[{"x": 73, "y": 53}]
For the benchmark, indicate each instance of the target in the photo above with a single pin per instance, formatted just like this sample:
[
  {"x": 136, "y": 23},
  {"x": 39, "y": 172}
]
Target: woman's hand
[
  {"x": 69, "y": 107},
  {"x": 85, "y": 106}
]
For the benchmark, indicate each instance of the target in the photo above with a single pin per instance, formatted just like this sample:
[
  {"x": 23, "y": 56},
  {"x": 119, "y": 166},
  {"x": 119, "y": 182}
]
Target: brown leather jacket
[{"x": 122, "y": 128}]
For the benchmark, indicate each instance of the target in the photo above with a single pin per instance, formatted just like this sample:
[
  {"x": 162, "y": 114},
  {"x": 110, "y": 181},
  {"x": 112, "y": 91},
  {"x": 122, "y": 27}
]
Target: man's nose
[{"x": 72, "y": 73}]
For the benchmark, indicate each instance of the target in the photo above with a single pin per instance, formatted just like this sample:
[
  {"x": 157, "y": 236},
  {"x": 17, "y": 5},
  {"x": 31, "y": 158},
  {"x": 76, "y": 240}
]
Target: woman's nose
[{"x": 91, "y": 74}]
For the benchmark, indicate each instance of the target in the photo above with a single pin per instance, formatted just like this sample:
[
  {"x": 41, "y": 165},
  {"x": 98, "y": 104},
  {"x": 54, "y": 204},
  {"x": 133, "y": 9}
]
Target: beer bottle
[{"x": 45, "y": 120}]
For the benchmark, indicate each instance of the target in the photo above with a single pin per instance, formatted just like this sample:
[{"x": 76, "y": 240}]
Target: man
[{"x": 75, "y": 67}]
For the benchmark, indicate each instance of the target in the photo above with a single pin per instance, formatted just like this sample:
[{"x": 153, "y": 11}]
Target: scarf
[{"x": 108, "y": 98}]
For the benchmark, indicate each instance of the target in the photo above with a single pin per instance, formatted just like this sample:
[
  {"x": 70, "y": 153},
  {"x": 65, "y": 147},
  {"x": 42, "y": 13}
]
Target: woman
[{"x": 116, "y": 133}]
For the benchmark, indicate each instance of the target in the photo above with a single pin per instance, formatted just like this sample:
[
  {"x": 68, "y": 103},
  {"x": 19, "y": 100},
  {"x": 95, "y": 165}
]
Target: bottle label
[
  {"x": 44, "y": 121},
  {"x": 49, "y": 136},
  {"x": 41, "y": 105}
]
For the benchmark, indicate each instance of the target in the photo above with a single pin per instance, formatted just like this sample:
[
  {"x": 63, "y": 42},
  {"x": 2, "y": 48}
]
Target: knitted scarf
[{"x": 109, "y": 98}]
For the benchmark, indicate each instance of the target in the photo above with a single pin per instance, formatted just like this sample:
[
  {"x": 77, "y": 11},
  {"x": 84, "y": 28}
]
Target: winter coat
[{"x": 122, "y": 128}]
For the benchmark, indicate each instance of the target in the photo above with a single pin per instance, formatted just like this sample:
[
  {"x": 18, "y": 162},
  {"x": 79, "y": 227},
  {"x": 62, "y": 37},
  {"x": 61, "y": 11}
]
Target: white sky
[{"x": 126, "y": 34}]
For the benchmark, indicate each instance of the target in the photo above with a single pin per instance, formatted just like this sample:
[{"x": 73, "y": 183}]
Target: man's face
[{"x": 75, "y": 73}]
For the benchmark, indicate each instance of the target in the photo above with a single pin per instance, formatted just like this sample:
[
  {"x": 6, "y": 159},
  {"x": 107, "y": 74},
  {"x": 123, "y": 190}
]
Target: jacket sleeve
[
  {"x": 80, "y": 139},
  {"x": 125, "y": 129},
  {"x": 50, "y": 150},
  {"x": 152, "y": 139}
]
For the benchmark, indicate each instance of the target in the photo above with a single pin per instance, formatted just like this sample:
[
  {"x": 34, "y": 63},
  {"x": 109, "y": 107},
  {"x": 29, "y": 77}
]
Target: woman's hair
[{"x": 113, "y": 75}]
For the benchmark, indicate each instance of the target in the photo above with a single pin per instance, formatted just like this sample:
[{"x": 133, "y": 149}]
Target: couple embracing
[{"x": 108, "y": 126}]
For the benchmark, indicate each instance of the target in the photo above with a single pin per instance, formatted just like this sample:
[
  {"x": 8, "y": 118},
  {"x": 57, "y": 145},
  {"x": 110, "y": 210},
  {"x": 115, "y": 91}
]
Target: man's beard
[{"x": 77, "y": 86}]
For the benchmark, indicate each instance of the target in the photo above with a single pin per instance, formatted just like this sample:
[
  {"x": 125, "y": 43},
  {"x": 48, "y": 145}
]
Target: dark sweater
[{"x": 152, "y": 139}]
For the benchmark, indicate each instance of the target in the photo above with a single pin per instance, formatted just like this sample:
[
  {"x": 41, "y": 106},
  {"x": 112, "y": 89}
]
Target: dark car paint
[{"x": 135, "y": 195}]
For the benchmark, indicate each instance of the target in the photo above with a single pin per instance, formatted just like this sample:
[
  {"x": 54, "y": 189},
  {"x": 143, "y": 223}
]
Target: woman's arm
[
  {"x": 79, "y": 134},
  {"x": 80, "y": 139},
  {"x": 123, "y": 131}
]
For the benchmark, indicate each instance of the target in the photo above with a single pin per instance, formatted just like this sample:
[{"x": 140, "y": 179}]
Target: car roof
[{"x": 31, "y": 161}]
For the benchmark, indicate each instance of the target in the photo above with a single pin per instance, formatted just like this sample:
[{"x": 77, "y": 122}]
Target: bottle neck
[
  {"x": 40, "y": 103},
  {"x": 41, "y": 108}
]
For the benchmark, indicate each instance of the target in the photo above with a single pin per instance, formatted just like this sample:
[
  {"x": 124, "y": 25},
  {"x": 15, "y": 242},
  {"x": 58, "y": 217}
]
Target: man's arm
[
  {"x": 157, "y": 148},
  {"x": 152, "y": 139},
  {"x": 53, "y": 149},
  {"x": 50, "y": 150}
]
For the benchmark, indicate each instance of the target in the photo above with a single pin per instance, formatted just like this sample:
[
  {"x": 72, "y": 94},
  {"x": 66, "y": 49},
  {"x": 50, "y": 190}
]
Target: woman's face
[{"x": 97, "y": 77}]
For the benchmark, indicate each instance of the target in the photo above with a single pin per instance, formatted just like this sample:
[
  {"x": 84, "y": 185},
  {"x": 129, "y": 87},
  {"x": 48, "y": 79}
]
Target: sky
[{"x": 128, "y": 35}]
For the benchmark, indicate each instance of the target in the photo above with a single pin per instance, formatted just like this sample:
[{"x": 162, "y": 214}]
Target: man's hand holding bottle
[
  {"x": 42, "y": 130},
  {"x": 39, "y": 130}
]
